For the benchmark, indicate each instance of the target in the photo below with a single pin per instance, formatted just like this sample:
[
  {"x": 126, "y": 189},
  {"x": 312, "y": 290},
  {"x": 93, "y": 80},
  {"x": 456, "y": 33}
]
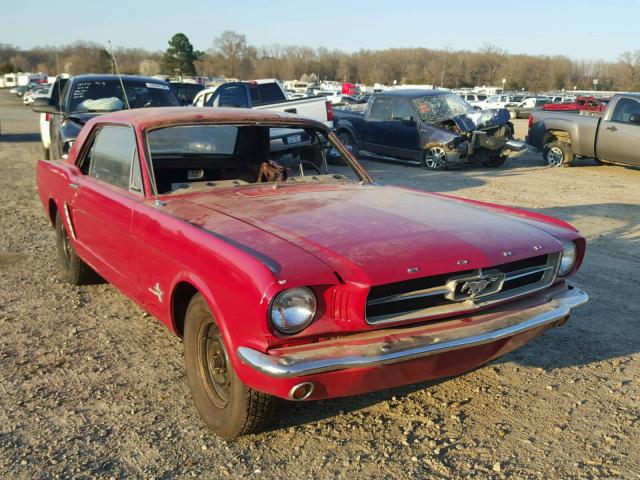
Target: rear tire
[
  {"x": 74, "y": 270},
  {"x": 227, "y": 406},
  {"x": 434, "y": 158},
  {"x": 46, "y": 153},
  {"x": 558, "y": 154},
  {"x": 513, "y": 113}
]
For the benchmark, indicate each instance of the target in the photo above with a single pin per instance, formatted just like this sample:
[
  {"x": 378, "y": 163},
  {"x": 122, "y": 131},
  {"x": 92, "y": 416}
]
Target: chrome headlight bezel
[
  {"x": 568, "y": 258},
  {"x": 301, "y": 299}
]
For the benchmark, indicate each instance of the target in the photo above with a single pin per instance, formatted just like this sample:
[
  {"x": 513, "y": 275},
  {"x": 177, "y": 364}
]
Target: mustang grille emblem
[
  {"x": 476, "y": 287},
  {"x": 472, "y": 286}
]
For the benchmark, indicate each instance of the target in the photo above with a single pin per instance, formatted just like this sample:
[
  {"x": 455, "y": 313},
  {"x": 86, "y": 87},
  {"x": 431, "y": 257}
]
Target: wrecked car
[
  {"x": 434, "y": 127},
  {"x": 290, "y": 277}
]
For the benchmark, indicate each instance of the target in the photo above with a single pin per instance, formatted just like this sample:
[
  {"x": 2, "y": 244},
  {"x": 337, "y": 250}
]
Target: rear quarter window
[{"x": 266, "y": 93}]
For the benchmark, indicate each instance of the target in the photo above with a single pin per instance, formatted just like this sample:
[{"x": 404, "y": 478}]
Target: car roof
[
  {"x": 145, "y": 118},
  {"x": 105, "y": 76},
  {"x": 413, "y": 92}
]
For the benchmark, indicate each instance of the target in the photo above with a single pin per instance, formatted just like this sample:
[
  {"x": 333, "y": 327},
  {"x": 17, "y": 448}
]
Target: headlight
[
  {"x": 292, "y": 310},
  {"x": 568, "y": 260}
]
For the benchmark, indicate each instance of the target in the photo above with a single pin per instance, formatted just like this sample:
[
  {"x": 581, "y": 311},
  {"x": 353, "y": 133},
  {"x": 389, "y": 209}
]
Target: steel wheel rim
[
  {"x": 555, "y": 156},
  {"x": 435, "y": 158},
  {"x": 213, "y": 365}
]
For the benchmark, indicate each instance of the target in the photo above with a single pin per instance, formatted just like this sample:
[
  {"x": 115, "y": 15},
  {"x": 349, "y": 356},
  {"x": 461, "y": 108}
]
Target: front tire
[
  {"x": 74, "y": 270},
  {"x": 558, "y": 154},
  {"x": 46, "y": 153},
  {"x": 225, "y": 404}
]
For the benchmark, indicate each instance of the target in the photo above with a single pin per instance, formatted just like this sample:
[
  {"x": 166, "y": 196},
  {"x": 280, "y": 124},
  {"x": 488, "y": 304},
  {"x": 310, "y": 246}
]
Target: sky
[{"x": 587, "y": 29}]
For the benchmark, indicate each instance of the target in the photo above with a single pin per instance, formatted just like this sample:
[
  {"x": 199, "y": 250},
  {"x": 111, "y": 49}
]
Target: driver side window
[{"x": 113, "y": 158}]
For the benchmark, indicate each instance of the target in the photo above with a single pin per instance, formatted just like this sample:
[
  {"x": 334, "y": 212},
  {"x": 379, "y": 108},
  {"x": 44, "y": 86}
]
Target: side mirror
[
  {"x": 43, "y": 105},
  {"x": 634, "y": 118}
]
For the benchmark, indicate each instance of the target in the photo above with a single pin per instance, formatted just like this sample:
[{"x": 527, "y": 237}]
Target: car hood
[
  {"x": 493, "y": 117},
  {"x": 377, "y": 235}
]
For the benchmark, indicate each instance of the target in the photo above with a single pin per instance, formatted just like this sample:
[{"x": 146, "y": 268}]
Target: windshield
[
  {"x": 106, "y": 95},
  {"x": 433, "y": 108},
  {"x": 188, "y": 158}
]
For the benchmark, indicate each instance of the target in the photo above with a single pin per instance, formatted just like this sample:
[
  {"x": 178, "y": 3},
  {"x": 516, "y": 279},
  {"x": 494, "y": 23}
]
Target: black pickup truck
[
  {"x": 86, "y": 96},
  {"x": 433, "y": 127}
]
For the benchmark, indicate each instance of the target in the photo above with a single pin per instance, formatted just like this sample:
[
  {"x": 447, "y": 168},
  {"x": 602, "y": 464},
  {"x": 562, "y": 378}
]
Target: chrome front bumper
[{"x": 398, "y": 345}]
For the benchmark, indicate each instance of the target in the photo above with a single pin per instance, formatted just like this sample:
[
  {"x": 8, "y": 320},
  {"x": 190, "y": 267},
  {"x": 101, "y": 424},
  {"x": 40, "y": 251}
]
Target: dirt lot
[{"x": 91, "y": 386}]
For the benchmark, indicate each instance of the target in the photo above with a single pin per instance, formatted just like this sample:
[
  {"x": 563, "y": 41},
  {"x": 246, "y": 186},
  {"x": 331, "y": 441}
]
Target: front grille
[{"x": 451, "y": 293}]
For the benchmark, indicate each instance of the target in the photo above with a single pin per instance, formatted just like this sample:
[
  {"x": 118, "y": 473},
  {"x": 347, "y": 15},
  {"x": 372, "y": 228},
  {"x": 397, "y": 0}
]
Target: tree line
[{"x": 231, "y": 56}]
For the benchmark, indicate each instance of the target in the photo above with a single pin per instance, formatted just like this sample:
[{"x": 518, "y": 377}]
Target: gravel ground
[{"x": 91, "y": 386}]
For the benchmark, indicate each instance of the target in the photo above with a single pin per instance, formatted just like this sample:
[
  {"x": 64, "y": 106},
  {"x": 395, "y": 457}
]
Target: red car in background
[
  {"x": 350, "y": 89},
  {"x": 289, "y": 275},
  {"x": 590, "y": 104}
]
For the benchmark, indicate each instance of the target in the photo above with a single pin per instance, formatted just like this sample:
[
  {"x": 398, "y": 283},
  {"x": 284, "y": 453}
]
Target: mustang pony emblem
[{"x": 476, "y": 287}]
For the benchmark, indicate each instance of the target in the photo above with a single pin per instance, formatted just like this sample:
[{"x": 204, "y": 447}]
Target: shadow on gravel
[
  {"x": 300, "y": 413},
  {"x": 19, "y": 137}
]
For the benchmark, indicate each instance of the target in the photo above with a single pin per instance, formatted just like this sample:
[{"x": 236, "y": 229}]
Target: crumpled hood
[
  {"x": 374, "y": 234},
  {"x": 82, "y": 118},
  {"x": 494, "y": 117}
]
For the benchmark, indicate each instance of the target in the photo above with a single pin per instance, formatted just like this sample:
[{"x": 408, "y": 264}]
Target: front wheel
[
  {"x": 75, "y": 271},
  {"x": 46, "y": 153},
  {"x": 227, "y": 406},
  {"x": 496, "y": 161},
  {"x": 513, "y": 113},
  {"x": 558, "y": 154},
  {"x": 435, "y": 158}
]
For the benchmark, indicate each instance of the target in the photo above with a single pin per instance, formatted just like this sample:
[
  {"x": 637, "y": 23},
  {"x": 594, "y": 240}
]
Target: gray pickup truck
[{"x": 612, "y": 136}]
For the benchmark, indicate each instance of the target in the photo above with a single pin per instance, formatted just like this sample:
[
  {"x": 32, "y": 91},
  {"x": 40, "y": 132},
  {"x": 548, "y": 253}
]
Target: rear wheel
[
  {"x": 558, "y": 154},
  {"x": 348, "y": 141},
  {"x": 46, "y": 153},
  {"x": 435, "y": 158},
  {"x": 513, "y": 113},
  {"x": 226, "y": 405}
]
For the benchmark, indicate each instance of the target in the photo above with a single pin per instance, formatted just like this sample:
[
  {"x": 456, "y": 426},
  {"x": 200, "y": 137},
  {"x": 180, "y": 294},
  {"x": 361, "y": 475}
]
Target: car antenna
[{"x": 115, "y": 64}]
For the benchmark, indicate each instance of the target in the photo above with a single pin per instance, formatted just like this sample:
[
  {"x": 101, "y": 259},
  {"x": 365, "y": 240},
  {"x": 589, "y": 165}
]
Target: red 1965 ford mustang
[{"x": 267, "y": 247}]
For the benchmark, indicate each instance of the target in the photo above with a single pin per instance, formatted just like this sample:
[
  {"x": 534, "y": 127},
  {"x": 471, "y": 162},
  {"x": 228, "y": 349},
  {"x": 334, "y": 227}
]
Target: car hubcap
[
  {"x": 435, "y": 158},
  {"x": 555, "y": 156},
  {"x": 214, "y": 365}
]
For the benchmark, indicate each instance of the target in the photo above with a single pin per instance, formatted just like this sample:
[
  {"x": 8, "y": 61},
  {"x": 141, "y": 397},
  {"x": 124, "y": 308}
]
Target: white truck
[{"x": 265, "y": 94}]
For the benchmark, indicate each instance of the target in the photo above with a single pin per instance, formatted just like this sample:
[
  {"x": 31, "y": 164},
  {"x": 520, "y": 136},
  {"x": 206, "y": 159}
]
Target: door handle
[
  {"x": 612, "y": 129},
  {"x": 290, "y": 110},
  {"x": 73, "y": 185}
]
